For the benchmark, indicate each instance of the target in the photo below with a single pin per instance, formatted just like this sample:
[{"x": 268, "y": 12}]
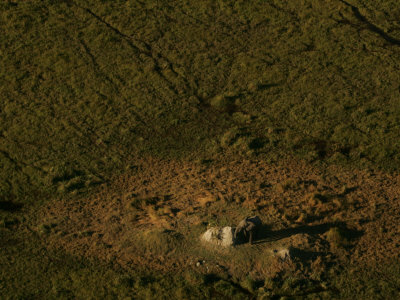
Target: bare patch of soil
[{"x": 153, "y": 219}]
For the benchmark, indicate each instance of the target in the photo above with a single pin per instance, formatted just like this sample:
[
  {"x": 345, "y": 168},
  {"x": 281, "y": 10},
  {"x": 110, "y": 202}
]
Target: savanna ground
[{"x": 129, "y": 127}]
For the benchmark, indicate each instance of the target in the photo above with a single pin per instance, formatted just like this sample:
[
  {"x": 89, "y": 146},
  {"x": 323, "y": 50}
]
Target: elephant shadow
[{"x": 265, "y": 234}]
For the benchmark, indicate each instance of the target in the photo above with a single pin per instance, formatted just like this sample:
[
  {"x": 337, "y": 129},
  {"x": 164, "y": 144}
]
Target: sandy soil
[{"x": 153, "y": 218}]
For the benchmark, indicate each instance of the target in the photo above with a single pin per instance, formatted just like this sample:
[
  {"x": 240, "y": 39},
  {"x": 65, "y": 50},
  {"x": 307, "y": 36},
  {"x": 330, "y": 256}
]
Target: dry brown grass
[
  {"x": 180, "y": 198},
  {"x": 204, "y": 201}
]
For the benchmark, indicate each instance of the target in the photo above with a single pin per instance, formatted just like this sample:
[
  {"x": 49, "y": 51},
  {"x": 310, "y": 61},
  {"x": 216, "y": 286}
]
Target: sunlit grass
[{"x": 88, "y": 87}]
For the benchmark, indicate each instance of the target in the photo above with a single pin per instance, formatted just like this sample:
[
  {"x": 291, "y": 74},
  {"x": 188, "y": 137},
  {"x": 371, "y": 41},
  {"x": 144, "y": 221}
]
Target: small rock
[
  {"x": 198, "y": 264},
  {"x": 283, "y": 254}
]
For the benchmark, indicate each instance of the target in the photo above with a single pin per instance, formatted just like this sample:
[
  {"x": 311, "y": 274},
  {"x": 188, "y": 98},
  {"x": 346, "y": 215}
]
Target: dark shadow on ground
[
  {"x": 264, "y": 234},
  {"x": 304, "y": 255},
  {"x": 10, "y": 206}
]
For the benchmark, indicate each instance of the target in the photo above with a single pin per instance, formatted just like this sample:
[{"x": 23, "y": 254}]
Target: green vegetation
[
  {"x": 336, "y": 237},
  {"x": 382, "y": 280},
  {"x": 89, "y": 87},
  {"x": 35, "y": 273}
]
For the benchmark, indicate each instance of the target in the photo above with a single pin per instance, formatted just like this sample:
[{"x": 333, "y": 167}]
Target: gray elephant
[{"x": 247, "y": 229}]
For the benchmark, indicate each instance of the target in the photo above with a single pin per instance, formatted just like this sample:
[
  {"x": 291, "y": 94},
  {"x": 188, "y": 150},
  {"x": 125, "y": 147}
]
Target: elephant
[{"x": 247, "y": 229}]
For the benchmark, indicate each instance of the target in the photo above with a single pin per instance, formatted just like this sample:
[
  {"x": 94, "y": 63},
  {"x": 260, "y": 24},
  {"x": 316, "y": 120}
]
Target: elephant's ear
[{"x": 250, "y": 226}]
